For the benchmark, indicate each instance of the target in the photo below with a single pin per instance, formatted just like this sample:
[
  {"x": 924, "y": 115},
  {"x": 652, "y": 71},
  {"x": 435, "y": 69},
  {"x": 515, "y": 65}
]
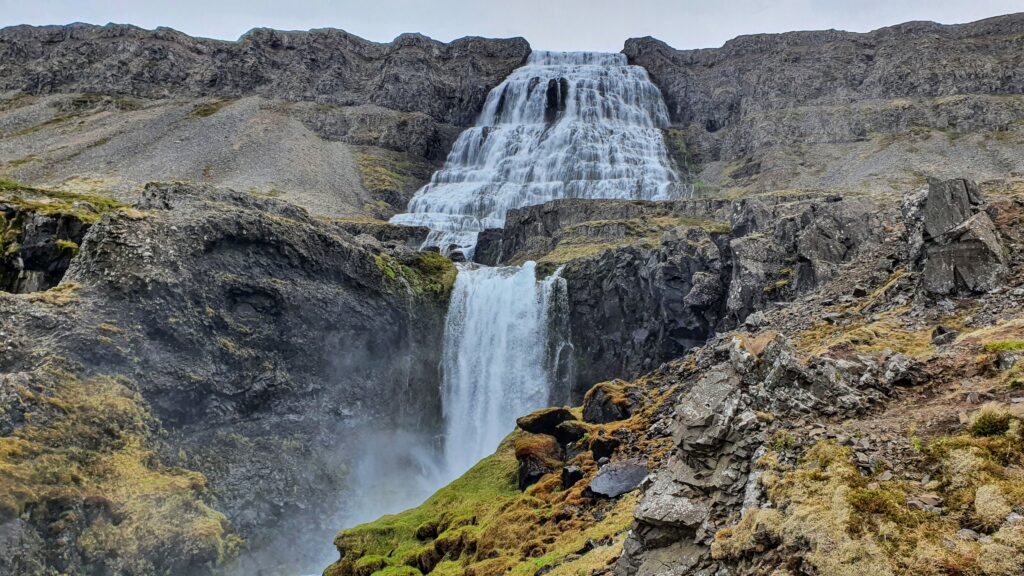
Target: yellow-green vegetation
[
  {"x": 482, "y": 524},
  {"x": 425, "y": 273},
  {"x": 1005, "y": 346},
  {"x": 207, "y": 109},
  {"x": 57, "y": 202},
  {"x": 846, "y": 523},
  {"x": 591, "y": 238},
  {"x": 889, "y": 332},
  {"x": 82, "y": 463},
  {"x": 68, "y": 246},
  {"x": 387, "y": 172},
  {"x": 61, "y": 295}
]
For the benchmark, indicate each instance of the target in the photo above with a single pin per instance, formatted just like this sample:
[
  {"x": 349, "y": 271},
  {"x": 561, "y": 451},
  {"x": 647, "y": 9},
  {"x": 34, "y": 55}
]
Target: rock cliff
[
  {"x": 262, "y": 341},
  {"x": 842, "y": 110},
  {"x": 335, "y": 123}
]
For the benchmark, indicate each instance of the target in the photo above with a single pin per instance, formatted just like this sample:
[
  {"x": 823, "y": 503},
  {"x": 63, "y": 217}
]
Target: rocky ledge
[{"x": 238, "y": 343}]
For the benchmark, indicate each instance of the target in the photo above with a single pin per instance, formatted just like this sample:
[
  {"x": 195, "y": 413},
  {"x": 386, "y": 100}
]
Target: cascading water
[
  {"x": 565, "y": 125},
  {"x": 496, "y": 344}
]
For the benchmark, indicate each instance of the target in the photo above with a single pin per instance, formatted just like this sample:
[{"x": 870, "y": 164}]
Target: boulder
[
  {"x": 662, "y": 505},
  {"x": 606, "y": 402},
  {"x": 966, "y": 258},
  {"x": 617, "y": 478},
  {"x": 544, "y": 421},
  {"x": 603, "y": 446},
  {"x": 570, "y": 476},
  {"x": 570, "y": 431},
  {"x": 948, "y": 204},
  {"x": 538, "y": 455}
]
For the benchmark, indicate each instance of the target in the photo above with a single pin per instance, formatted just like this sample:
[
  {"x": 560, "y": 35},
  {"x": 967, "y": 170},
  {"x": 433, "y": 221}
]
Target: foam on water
[{"x": 565, "y": 125}]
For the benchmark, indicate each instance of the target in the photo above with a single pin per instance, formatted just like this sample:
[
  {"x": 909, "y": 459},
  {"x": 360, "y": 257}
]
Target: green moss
[
  {"x": 69, "y": 246},
  {"x": 1005, "y": 346},
  {"x": 390, "y": 176},
  {"x": 57, "y": 202},
  {"x": 86, "y": 444},
  {"x": 207, "y": 109}
]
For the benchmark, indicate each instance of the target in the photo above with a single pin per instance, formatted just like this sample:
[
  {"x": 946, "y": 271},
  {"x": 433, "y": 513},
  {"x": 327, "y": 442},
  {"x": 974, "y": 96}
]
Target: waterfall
[
  {"x": 565, "y": 125},
  {"x": 497, "y": 345}
]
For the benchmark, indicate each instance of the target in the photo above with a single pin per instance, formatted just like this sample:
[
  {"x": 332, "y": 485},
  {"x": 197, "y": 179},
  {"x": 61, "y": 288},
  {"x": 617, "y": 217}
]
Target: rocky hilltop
[
  {"x": 332, "y": 122},
  {"x": 843, "y": 110}
]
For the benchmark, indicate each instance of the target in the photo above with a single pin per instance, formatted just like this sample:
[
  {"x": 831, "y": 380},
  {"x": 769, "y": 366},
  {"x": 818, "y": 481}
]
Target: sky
[{"x": 548, "y": 24}]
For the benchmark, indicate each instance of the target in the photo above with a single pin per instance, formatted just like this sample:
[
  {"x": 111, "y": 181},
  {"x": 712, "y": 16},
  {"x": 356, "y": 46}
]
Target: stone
[
  {"x": 544, "y": 421},
  {"x": 948, "y": 204},
  {"x": 603, "y": 446},
  {"x": 617, "y": 478},
  {"x": 967, "y": 258},
  {"x": 942, "y": 335},
  {"x": 663, "y": 506},
  {"x": 570, "y": 431},
  {"x": 606, "y": 402},
  {"x": 570, "y": 476}
]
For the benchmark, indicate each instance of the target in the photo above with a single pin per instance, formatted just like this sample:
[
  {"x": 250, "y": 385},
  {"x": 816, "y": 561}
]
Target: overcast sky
[{"x": 550, "y": 24}]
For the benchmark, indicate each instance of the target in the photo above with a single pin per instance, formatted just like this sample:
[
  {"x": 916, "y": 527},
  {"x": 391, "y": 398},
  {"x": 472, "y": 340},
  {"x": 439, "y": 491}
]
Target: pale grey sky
[{"x": 550, "y": 24}]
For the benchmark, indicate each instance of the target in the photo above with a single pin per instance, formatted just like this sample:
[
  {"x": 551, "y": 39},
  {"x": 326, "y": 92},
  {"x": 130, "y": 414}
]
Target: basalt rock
[
  {"x": 616, "y": 478},
  {"x": 842, "y": 109},
  {"x": 606, "y": 402},
  {"x": 952, "y": 240},
  {"x": 544, "y": 421},
  {"x": 263, "y": 340},
  {"x": 717, "y": 436},
  {"x": 413, "y": 73}
]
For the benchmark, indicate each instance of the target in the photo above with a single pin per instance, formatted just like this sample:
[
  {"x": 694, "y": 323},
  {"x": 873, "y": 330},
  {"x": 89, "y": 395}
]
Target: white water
[
  {"x": 565, "y": 125},
  {"x": 496, "y": 345}
]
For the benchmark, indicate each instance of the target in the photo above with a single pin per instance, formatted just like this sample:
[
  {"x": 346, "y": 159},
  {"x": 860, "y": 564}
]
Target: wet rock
[
  {"x": 570, "y": 431},
  {"x": 617, "y": 478},
  {"x": 538, "y": 455},
  {"x": 606, "y": 402},
  {"x": 544, "y": 421}
]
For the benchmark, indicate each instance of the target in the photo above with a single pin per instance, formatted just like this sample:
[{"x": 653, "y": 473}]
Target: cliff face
[
  {"x": 262, "y": 341},
  {"x": 327, "y": 120},
  {"x": 648, "y": 281},
  {"x": 448, "y": 82},
  {"x": 845, "y": 110}
]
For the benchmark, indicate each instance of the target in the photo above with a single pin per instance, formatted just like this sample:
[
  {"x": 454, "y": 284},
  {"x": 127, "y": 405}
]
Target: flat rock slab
[{"x": 617, "y": 478}]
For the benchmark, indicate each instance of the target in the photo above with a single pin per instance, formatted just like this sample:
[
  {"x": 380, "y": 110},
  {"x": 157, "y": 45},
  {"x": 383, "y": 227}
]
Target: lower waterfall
[{"x": 500, "y": 357}]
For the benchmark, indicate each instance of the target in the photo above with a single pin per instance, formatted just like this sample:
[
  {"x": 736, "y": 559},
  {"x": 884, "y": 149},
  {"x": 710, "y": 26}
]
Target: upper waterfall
[{"x": 565, "y": 125}]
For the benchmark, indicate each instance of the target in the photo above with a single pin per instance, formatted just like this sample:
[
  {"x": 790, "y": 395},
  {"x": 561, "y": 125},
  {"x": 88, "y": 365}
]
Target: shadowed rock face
[
  {"x": 448, "y": 82},
  {"x": 831, "y": 108},
  {"x": 264, "y": 340}
]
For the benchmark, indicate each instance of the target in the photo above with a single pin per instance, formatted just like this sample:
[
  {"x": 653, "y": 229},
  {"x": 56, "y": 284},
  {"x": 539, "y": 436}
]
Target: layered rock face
[
  {"x": 845, "y": 110},
  {"x": 265, "y": 341},
  {"x": 447, "y": 82},
  {"x": 327, "y": 120},
  {"x": 648, "y": 281}
]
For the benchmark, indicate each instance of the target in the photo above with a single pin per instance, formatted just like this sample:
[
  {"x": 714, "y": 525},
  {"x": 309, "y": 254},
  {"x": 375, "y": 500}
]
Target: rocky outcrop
[
  {"x": 718, "y": 434},
  {"x": 953, "y": 240},
  {"x": 648, "y": 281},
  {"x": 324, "y": 119},
  {"x": 447, "y": 82},
  {"x": 264, "y": 340},
  {"x": 842, "y": 109}
]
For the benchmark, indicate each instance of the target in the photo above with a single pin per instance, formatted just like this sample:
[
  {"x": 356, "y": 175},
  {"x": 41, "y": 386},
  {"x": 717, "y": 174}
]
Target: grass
[
  {"x": 85, "y": 447},
  {"x": 57, "y": 202},
  {"x": 588, "y": 239},
  {"x": 482, "y": 524},
  {"x": 1005, "y": 346}
]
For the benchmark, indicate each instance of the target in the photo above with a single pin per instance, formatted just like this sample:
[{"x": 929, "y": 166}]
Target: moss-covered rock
[{"x": 81, "y": 464}]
